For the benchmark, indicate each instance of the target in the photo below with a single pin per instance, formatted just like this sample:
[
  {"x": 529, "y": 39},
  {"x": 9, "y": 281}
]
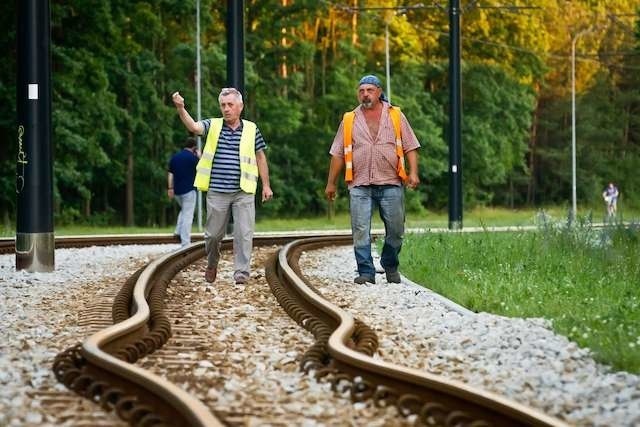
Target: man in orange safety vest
[{"x": 371, "y": 144}]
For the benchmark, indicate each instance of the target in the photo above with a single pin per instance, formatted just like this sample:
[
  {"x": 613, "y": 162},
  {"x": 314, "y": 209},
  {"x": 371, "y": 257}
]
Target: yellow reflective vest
[
  {"x": 348, "y": 118},
  {"x": 248, "y": 163}
]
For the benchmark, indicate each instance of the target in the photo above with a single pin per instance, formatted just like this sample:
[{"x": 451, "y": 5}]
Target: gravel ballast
[{"x": 519, "y": 358}]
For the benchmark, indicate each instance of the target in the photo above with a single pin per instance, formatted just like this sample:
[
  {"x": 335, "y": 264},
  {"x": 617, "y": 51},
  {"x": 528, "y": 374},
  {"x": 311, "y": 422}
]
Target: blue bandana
[{"x": 370, "y": 79}]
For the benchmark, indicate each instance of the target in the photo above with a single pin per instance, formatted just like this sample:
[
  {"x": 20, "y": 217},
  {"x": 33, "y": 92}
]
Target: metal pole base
[
  {"x": 455, "y": 225},
  {"x": 35, "y": 252}
]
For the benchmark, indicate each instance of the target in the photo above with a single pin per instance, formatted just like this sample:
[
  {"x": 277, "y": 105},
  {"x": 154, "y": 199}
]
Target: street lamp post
[
  {"x": 35, "y": 240},
  {"x": 574, "y": 202},
  {"x": 387, "y": 67},
  {"x": 455, "y": 119},
  {"x": 388, "y": 16},
  {"x": 199, "y": 107}
]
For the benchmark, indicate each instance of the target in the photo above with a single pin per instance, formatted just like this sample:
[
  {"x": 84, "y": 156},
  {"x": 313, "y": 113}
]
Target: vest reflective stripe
[
  {"x": 248, "y": 163},
  {"x": 248, "y": 160},
  {"x": 203, "y": 169},
  {"x": 348, "y": 151},
  {"x": 348, "y": 118},
  {"x": 394, "y": 113}
]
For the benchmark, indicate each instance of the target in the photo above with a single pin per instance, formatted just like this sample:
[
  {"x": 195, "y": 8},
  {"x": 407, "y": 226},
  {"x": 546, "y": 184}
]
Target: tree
[{"x": 8, "y": 128}]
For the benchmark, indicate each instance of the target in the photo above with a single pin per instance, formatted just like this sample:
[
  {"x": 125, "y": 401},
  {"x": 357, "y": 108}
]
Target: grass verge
[{"x": 584, "y": 280}]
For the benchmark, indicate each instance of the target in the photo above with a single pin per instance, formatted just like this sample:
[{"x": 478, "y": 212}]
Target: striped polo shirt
[{"x": 225, "y": 173}]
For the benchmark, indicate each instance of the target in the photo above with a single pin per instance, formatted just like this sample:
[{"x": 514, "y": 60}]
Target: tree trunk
[
  {"x": 129, "y": 221},
  {"x": 283, "y": 70},
  {"x": 163, "y": 139},
  {"x": 531, "y": 186},
  {"x": 105, "y": 197},
  {"x": 129, "y": 185},
  {"x": 354, "y": 25},
  {"x": 6, "y": 220},
  {"x": 626, "y": 130},
  {"x": 512, "y": 192},
  {"x": 86, "y": 207}
]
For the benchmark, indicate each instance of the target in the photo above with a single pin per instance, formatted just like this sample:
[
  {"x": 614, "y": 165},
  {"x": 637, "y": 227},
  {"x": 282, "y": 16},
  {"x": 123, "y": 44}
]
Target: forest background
[{"x": 116, "y": 63}]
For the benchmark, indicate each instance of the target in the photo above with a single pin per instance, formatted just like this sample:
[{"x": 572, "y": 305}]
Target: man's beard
[{"x": 367, "y": 104}]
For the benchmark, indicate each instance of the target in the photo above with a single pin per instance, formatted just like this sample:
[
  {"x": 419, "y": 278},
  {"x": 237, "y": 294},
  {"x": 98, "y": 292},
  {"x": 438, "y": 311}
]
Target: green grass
[
  {"x": 479, "y": 217},
  {"x": 582, "y": 279}
]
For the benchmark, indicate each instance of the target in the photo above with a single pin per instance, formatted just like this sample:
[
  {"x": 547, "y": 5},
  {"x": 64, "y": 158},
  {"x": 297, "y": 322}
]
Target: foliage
[
  {"x": 116, "y": 62},
  {"x": 8, "y": 131}
]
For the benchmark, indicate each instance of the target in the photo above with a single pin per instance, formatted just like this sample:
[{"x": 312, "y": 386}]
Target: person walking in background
[
  {"x": 180, "y": 177},
  {"x": 232, "y": 159},
  {"x": 610, "y": 196},
  {"x": 371, "y": 144}
]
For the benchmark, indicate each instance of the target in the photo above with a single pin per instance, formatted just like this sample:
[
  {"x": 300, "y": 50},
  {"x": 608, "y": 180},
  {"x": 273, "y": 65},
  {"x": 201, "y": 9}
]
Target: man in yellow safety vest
[
  {"x": 371, "y": 144},
  {"x": 232, "y": 159}
]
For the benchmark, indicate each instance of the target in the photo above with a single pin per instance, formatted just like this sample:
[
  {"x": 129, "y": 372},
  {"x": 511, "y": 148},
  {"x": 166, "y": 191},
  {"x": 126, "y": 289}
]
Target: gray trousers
[
  {"x": 219, "y": 206},
  {"x": 187, "y": 203}
]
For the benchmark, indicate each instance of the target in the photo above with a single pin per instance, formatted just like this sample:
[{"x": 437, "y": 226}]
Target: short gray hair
[{"x": 230, "y": 91}]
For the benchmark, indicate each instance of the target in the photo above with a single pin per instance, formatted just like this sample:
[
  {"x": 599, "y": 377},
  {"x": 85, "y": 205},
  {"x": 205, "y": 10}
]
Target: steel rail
[
  {"x": 7, "y": 244},
  {"x": 192, "y": 411},
  {"x": 433, "y": 398},
  {"x": 101, "y": 368}
]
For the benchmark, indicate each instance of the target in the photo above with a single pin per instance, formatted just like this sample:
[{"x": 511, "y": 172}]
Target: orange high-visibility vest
[{"x": 394, "y": 113}]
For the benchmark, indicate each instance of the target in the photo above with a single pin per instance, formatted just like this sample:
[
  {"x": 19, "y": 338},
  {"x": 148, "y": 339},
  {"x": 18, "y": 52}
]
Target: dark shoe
[
  {"x": 241, "y": 278},
  {"x": 362, "y": 279},
  {"x": 210, "y": 274},
  {"x": 393, "y": 277}
]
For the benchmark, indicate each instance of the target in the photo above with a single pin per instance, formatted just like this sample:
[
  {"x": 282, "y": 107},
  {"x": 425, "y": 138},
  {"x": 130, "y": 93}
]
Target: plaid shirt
[{"x": 374, "y": 158}]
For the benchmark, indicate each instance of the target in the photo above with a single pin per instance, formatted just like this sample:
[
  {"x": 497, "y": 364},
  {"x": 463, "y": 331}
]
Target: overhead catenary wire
[
  {"x": 548, "y": 55},
  {"x": 502, "y": 8}
]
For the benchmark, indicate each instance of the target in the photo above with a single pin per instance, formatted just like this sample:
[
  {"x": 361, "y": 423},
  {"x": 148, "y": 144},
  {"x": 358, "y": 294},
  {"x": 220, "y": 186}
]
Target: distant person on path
[
  {"x": 180, "y": 177},
  {"x": 610, "y": 196},
  {"x": 371, "y": 144},
  {"x": 232, "y": 159}
]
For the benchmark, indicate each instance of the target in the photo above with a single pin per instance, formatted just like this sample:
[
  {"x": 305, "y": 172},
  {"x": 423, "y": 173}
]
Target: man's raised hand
[{"x": 178, "y": 100}]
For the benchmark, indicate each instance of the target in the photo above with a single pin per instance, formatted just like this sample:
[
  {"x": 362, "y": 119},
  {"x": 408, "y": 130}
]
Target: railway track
[
  {"x": 7, "y": 245},
  {"x": 114, "y": 367},
  {"x": 434, "y": 400}
]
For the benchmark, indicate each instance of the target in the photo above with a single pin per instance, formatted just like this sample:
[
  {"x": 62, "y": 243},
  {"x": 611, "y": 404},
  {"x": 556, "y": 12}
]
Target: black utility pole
[
  {"x": 34, "y": 170},
  {"x": 455, "y": 145},
  {"x": 455, "y": 104},
  {"x": 235, "y": 55},
  {"x": 235, "y": 44}
]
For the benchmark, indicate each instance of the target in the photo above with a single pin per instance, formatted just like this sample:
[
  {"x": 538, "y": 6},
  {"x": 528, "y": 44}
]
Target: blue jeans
[
  {"x": 390, "y": 202},
  {"x": 187, "y": 203}
]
